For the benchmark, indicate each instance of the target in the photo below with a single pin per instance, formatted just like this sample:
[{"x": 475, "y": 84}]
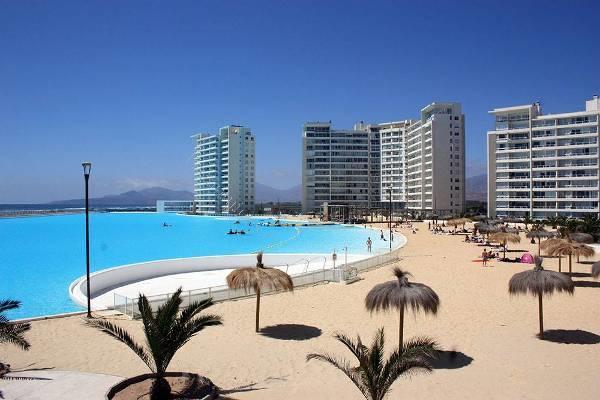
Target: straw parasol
[
  {"x": 401, "y": 294},
  {"x": 596, "y": 270},
  {"x": 485, "y": 228},
  {"x": 539, "y": 282},
  {"x": 458, "y": 221},
  {"x": 539, "y": 233},
  {"x": 546, "y": 244},
  {"x": 562, "y": 247},
  {"x": 581, "y": 237},
  {"x": 504, "y": 238},
  {"x": 257, "y": 278}
]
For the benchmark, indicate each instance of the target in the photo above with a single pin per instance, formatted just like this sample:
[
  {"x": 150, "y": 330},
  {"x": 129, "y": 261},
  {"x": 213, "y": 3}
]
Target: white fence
[{"x": 342, "y": 273}]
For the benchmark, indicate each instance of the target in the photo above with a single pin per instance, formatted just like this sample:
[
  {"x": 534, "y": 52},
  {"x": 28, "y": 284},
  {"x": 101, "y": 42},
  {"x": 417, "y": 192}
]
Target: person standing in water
[{"x": 369, "y": 243}]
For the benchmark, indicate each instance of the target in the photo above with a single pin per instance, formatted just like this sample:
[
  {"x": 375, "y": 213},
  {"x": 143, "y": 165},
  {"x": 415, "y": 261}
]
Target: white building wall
[{"x": 544, "y": 165}]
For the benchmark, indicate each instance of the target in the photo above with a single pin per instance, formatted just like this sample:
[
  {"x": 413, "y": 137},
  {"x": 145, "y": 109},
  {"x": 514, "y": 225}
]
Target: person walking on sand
[
  {"x": 484, "y": 256},
  {"x": 369, "y": 243}
]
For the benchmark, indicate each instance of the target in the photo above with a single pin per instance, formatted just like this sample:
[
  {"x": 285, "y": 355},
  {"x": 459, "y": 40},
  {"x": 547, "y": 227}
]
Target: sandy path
[{"x": 477, "y": 318}]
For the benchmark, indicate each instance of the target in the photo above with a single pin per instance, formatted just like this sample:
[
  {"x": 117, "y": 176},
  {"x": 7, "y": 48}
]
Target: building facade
[
  {"x": 543, "y": 165},
  {"x": 224, "y": 171},
  {"x": 339, "y": 166},
  {"x": 435, "y": 160},
  {"x": 420, "y": 163}
]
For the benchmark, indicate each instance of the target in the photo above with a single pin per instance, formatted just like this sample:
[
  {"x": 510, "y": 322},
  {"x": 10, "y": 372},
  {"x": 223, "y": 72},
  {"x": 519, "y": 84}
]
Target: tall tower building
[
  {"x": 224, "y": 171},
  {"x": 339, "y": 166},
  {"x": 543, "y": 165}
]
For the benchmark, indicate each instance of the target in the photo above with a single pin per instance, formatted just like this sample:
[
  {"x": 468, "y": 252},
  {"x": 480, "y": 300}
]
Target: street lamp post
[
  {"x": 87, "y": 166},
  {"x": 390, "y": 221}
]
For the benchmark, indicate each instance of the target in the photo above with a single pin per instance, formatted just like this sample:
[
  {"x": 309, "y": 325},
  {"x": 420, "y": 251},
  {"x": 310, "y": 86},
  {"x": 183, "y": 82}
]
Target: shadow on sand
[
  {"x": 575, "y": 336},
  {"x": 580, "y": 274},
  {"x": 291, "y": 332},
  {"x": 586, "y": 284},
  {"x": 451, "y": 359}
]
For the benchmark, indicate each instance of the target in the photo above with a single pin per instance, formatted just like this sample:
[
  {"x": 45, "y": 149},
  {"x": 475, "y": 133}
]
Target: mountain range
[{"x": 476, "y": 190}]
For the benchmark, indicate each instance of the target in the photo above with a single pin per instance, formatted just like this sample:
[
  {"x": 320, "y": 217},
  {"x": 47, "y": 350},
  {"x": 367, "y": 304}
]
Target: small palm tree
[
  {"x": 166, "y": 332},
  {"x": 12, "y": 332},
  {"x": 374, "y": 375}
]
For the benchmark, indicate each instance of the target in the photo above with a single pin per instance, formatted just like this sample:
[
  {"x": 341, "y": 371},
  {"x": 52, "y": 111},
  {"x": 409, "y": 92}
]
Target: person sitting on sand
[{"x": 467, "y": 239}]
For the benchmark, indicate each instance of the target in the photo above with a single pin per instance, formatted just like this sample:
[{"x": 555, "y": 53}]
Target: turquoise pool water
[{"x": 41, "y": 256}]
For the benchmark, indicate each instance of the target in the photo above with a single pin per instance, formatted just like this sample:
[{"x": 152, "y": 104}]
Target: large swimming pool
[{"x": 41, "y": 256}]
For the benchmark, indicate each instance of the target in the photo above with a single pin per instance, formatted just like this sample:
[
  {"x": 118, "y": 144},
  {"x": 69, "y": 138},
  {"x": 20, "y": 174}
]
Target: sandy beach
[{"x": 498, "y": 355}]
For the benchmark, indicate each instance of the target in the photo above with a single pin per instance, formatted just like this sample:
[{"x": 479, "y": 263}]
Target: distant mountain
[
  {"x": 144, "y": 197},
  {"x": 477, "y": 188},
  {"x": 265, "y": 194}
]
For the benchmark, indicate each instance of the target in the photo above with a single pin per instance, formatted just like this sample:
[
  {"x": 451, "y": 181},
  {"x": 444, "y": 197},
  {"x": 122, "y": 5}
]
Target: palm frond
[
  {"x": 13, "y": 333},
  {"x": 8, "y": 304},
  {"x": 122, "y": 336},
  {"x": 344, "y": 366},
  {"x": 194, "y": 308}
]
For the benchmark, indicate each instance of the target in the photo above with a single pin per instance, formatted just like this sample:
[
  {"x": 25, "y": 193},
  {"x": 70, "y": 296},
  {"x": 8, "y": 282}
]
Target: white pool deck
[{"x": 215, "y": 278}]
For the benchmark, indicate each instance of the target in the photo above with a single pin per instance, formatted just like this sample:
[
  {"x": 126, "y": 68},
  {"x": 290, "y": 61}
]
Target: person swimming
[
  {"x": 242, "y": 232},
  {"x": 231, "y": 232}
]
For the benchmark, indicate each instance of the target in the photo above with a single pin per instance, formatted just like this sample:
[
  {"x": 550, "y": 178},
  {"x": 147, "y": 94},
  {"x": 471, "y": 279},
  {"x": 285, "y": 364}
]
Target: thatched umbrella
[
  {"x": 539, "y": 234},
  {"x": 581, "y": 237},
  {"x": 504, "y": 238},
  {"x": 400, "y": 295},
  {"x": 458, "y": 221},
  {"x": 539, "y": 282},
  {"x": 562, "y": 247},
  {"x": 257, "y": 278},
  {"x": 485, "y": 228},
  {"x": 548, "y": 243},
  {"x": 596, "y": 270}
]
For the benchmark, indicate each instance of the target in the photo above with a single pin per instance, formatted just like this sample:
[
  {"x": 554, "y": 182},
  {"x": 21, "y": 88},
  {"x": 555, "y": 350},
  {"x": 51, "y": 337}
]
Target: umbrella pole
[
  {"x": 559, "y": 264},
  {"x": 539, "y": 247},
  {"x": 569, "y": 264},
  {"x": 401, "y": 329},
  {"x": 541, "y": 313},
  {"x": 257, "y": 307}
]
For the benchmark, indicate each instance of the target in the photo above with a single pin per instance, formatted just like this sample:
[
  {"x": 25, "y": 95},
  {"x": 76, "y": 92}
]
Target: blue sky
[{"x": 125, "y": 84}]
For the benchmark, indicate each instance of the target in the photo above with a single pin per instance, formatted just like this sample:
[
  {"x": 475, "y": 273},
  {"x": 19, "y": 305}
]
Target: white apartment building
[
  {"x": 543, "y": 165},
  {"x": 224, "y": 171},
  {"x": 434, "y": 153},
  {"x": 421, "y": 161},
  {"x": 393, "y": 162},
  {"x": 339, "y": 166}
]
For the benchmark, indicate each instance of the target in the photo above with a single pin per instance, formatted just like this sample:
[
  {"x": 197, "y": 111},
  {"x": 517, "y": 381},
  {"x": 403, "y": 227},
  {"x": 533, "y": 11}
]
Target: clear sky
[{"x": 125, "y": 84}]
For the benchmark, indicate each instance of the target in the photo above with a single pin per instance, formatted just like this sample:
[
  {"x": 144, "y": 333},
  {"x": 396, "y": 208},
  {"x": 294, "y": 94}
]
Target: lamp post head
[{"x": 87, "y": 167}]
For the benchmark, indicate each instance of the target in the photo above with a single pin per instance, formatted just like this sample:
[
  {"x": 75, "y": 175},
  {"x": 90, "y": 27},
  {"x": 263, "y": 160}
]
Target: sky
[{"x": 124, "y": 84}]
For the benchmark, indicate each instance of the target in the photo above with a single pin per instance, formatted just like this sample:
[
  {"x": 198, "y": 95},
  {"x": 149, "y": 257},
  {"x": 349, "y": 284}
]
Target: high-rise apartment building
[
  {"x": 224, "y": 171},
  {"x": 421, "y": 161},
  {"x": 339, "y": 166},
  {"x": 434, "y": 148},
  {"x": 543, "y": 165}
]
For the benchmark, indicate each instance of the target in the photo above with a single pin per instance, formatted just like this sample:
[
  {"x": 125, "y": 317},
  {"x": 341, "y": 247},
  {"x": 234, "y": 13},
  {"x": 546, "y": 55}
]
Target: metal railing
[{"x": 342, "y": 273}]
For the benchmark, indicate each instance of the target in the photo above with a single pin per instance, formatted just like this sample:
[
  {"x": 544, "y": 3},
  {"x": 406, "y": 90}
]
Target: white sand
[{"x": 477, "y": 318}]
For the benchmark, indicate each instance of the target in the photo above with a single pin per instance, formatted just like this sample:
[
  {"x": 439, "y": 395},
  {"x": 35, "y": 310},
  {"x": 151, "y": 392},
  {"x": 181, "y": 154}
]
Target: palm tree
[
  {"x": 166, "y": 332},
  {"x": 553, "y": 221},
  {"x": 401, "y": 294},
  {"x": 527, "y": 221},
  {"x": 564, "y": 247},
  {"x": 12, "y": 332},
  {"x": 258, "y": 278},
  {"x": 539, "y": 282},
  {"x": 504, "y": 238},
  {"x": 374, "y": 375}
]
